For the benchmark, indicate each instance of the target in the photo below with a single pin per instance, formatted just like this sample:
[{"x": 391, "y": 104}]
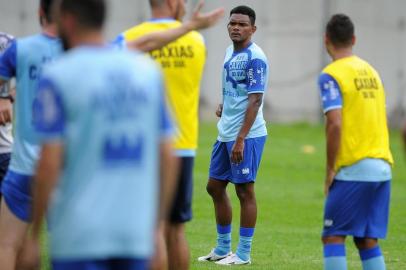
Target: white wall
[{"x": 290, "y": 32}]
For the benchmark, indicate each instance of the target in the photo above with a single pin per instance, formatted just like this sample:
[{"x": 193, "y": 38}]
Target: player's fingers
[
  {"x": 215, "y": 15},
  {"x": 2, "y": 122},
  {"x": 199, "y": 7}
]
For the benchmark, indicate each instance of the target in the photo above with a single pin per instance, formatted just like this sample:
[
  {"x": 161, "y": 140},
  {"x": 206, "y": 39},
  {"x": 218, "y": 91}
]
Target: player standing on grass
[
  {"x": 182, "y": 64},
  {"x": 24, "y": 60},
  {"x": 6, "y": 100},
  {"x": 358, "y": 170},
  {"x": 104, "y": 137},
  {"x": 242, "y": 133}
]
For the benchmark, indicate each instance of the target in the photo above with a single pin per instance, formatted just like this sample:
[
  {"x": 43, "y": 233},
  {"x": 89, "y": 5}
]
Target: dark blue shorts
[
  {"x": 4, "y": 162},
  {"x": 221, "y": 167},
  {"x": 181, "y": 211},
  {"x": 359, "y": 209},
  {"x": 17, "y": 193},
  {"x": 109, "y": 264}
]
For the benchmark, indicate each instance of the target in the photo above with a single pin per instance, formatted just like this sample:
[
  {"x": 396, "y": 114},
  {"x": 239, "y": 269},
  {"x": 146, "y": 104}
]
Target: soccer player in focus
[
  {"x": 358, "y": 169},
  {"x": 103, "y": 137},
  {"x": 242, "y": 133}
]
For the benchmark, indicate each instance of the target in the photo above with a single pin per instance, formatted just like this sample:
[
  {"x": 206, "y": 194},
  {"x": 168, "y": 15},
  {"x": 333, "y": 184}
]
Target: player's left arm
[
  {"x": 159, "y": 39},
  {"x": 332, "y": 103},
  {"x": 256, "y": 82}
]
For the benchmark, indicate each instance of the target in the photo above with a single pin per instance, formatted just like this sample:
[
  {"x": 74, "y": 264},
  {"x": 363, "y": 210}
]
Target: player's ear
[
  {"x": 353, "y": 40},
  {"x": 254, "y": 29}
]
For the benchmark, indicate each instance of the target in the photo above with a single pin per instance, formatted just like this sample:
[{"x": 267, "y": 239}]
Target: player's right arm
[
  {"x": 159, "y": 39},
  {"x": 332, "y": 104}
]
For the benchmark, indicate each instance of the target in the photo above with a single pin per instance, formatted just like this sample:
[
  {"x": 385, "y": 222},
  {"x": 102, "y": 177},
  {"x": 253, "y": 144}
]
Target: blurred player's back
[{"x": 106, "y": 106}]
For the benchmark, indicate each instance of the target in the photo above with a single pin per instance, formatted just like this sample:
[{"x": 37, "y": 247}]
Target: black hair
[
  {"x": 245, "y": 10},
  {"x": 340, "y": 30},
  {"x": 89, "y": 13},
  {"x": 46, "y": 6}
]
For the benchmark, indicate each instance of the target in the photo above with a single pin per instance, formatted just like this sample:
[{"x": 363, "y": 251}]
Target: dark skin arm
[
  {"x": 254, "y": 103},
  {"x": 333, "y": 138},
  {"x": 159, "y": 39}
]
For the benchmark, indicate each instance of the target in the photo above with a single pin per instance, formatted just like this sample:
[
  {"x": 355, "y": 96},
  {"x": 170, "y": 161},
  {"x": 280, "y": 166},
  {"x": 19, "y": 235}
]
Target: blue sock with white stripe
[
  {"x": 372, "y": 259},
  {"x": 334, "y": 257},
  {"x": 244, "y": 245},
  {"x": 223, "y": 240}
]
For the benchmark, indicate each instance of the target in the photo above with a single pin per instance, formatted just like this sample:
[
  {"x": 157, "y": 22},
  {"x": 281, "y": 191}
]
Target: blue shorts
[
  {"x": 16, "y": 190},
  {"x": 181, "y": 211},
  {"x": 221, "y": 167},
  {"x": 359, "y": 209},
  {"x": 109, "y": 264}
]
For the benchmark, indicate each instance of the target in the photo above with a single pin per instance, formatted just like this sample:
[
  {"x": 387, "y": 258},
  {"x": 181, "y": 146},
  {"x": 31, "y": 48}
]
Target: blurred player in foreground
[
  {"x": 6, "y": 101},
  {"x": 242, "y": 133},
  {"x": 182, "y": 63},
  {"x": 358, "y": 170},
  {"x": 103, "y": 137}
]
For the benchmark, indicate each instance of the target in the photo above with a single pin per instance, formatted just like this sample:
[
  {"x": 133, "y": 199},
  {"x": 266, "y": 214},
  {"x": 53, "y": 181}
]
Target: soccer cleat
[
  {"x": 212, "y": 256},
  {"x": 233, "y": 259}
]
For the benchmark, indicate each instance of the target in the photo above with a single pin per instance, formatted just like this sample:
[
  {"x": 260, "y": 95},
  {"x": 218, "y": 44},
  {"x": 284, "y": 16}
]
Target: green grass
[
  {"x": 290, "y": 203},
  {"x": 290, "y": 199}
]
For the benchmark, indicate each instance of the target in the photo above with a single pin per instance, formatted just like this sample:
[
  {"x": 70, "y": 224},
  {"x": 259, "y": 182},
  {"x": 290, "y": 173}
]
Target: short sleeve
[
  {"x": 48, "y": 111},
  {"x": 330, "y": 93},
  {"x": 257, "y": 76},
  {"x": 8, "y": 61}
]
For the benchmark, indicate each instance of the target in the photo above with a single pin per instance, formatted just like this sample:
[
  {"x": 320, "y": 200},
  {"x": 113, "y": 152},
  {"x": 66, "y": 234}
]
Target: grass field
[{"x": 290, "y": 201}]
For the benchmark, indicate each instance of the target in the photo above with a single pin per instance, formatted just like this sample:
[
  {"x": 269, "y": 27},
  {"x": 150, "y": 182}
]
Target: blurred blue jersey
[
  {"x": 24, "y": 60},
  {"x": 107, "y": 109},
  {"x": 245, "y": 72}
]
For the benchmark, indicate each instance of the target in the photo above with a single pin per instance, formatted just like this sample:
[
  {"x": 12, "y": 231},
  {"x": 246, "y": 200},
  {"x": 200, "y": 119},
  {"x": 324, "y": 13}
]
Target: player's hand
[
  {"x": 6, "y": 111},
  {"x": 237, "y": 152},
  {"x": 329, "y": 181},
  {"x": 219, "y": 110},
  {"x": 30, "y": 255},
  {"x": 201, "y": 21}
]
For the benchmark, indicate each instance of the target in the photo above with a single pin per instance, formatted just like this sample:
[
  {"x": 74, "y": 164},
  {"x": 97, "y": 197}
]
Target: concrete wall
[{"x": 290, "y": 32}]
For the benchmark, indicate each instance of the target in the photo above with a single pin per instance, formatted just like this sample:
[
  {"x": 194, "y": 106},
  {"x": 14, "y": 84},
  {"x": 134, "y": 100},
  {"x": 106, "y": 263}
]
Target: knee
[
  {"x": 245, "y": 195},
  {"x": 365, "y": 243},
  {"x": 213, "y": 190},
  {"x": 327, "y": 240}
]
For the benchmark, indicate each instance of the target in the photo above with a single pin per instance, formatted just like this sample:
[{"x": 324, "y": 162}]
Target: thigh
[
  {"x": 182, "y": 207},
  {"x": 12, "y": 229},
  {"x": 220, "y": 165},
  {"x": 246, "y": 171}
]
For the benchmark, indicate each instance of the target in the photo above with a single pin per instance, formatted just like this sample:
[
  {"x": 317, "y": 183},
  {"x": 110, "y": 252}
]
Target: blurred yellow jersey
[
  {"x": 364, "y": 126},
  {"x": 182, "y": 63}
]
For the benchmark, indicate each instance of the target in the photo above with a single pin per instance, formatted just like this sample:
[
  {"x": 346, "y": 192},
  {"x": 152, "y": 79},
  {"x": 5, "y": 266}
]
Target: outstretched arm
[{"x": 159, "y": 39}]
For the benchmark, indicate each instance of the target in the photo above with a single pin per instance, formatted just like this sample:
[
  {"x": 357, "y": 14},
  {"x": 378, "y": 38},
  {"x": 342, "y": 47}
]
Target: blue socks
[
  {"x": 334, "y": 257},
  {"x": 244, "y": 245},
  {"x": 223, "y": 240},
  {"x": 372, "y": 259}
]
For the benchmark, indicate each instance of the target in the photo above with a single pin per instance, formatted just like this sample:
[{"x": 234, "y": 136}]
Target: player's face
[{"x": 240, "y": 28}]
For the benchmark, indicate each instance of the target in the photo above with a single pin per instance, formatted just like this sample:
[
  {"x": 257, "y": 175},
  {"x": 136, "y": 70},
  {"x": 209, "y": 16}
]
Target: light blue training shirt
[
  {"x": 245, "y": 72},
  {"x": 24, "y": 60},
  {"x": 107, "y": 108}
]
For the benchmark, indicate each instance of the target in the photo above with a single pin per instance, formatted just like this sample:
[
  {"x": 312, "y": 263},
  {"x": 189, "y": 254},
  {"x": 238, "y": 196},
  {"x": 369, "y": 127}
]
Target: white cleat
[
  {"x": 212, "y": 257},
  {"x": 233, "y": 259}
]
